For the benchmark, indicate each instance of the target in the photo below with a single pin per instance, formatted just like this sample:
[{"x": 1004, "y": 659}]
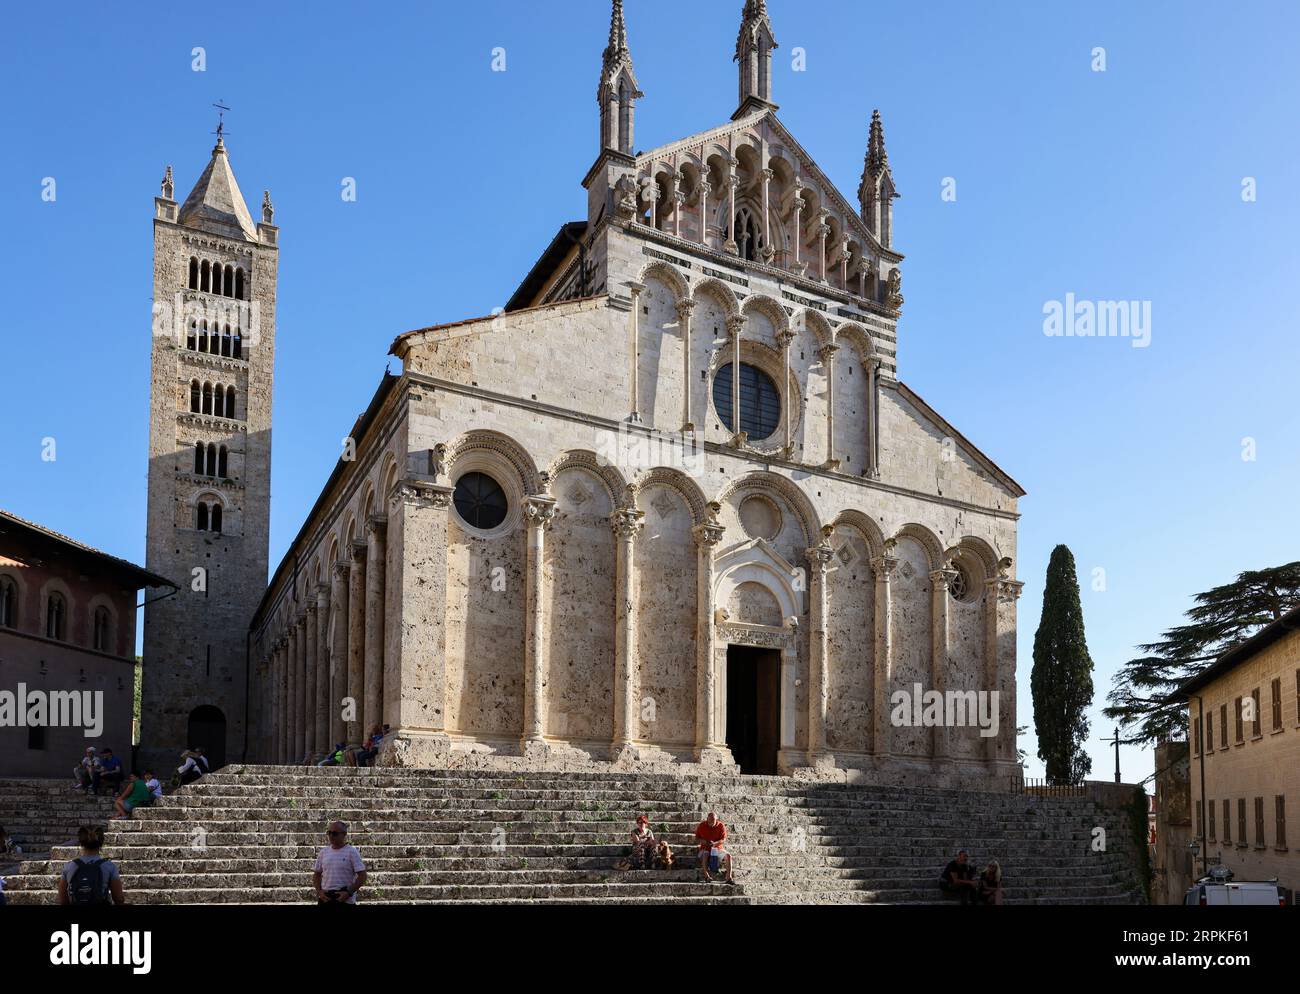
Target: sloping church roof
[{"x": 215, "y": 203}]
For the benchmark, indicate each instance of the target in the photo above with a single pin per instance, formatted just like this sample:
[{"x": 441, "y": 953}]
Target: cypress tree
[{"x": 1062, "y": 675}]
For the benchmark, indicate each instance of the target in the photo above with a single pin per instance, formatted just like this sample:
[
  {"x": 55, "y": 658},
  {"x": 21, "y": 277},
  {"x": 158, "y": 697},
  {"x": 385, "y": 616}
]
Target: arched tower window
[
  {"x": 192, "y": 340},
  {"x": 212, "y": 460},
  {"x": 215, "y": 524},
  {"x": 237, "y": 346},
  {"x": 8, "y": 602},
  {"x": 225, "y": 342},
  {"x": 748, "y": 238},
  {"x": 56, "y": 617},
  {"x": 207, "y": 398},
  {"x": 230, "y": 402},
  {"x": 195, "y": 394},
  {"x": 198, "y": 458},
  {"x": 223, "y": 463},
  {"x": 228, "y": 283},
  {"x": 239, "y": 284},
  {"x": 194, "y": 273},
  {"x": 103, "y": 630},
  {"x": 205, "y": 281},
  {"x": 203, "y": 337},
  {"x": 201, "y": 517}
]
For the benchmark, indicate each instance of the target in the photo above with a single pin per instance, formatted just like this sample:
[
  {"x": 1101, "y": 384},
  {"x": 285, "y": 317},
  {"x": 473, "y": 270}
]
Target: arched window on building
[
  {"x": 223, "y": 464},
  {"x": 192, "y": 339},
  {"x": 228, "y": 283},
  {"x": 8, "y": 602},
  {"x": 103, "y": 630},
  {"x": 195, "y": 395},
  {"x": 203, "y": 337},
  {"x": 212, "y": 460},
  {"x": 230, "y": 402},
  {"x": 215, "y": 521},
  {"x": 194, "y": 273},
  {"x": 760, "y": 401},
  {"x": 201, "y": 517},
  {"x": 239, "y": 284},
  {"x": 198, "y": 458},
  {"x": 205, "y": 281},
  {"x": 747, "y": 235},
  {"x": 237, "y": 346},
  {"x": 56, "y": 617},
  {"x": 226, "y": 343},
  {"x": 207, "y": 398}
]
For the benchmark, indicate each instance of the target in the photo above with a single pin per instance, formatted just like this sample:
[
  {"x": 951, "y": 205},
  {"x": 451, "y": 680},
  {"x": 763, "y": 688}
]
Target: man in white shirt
[{"x": 339, "y": 872}]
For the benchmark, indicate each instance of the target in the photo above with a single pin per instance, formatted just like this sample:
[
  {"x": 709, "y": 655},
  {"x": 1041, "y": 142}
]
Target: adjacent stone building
[
  {"x": 1244, "y": 733},
  {"x": 213, "y": 360},
  {"x": 67, "y": 626},
  {"x": 673, "y": 506}
]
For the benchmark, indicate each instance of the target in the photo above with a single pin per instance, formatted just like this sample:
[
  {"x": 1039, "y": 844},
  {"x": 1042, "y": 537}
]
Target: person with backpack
[{"x": 91, "y": 879}]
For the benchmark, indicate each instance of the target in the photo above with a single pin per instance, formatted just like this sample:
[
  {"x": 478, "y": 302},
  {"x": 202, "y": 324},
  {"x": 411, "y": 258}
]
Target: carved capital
[
  {"x": 1004, "y": 590},
  {"x": 884, "y": 566},
  {"x": 735, "y": 325},
  {"x": 708, "y": 535},
  {"x": 376, "y": 524},
  {"x": 685, "y": 307},
  {"x": 785, "y": 339},
  {"x": 421, "y": 493},
  {"x": 626, "y": 522},
  {"x": 340, "y": 570},
  {"x": 942, "y": 578},
  {"x": 827, "y": 352},
  {"x": 359, "y": 551},
  {"x": 636, "y": 289},
  {"x": 539, "y": 511}
]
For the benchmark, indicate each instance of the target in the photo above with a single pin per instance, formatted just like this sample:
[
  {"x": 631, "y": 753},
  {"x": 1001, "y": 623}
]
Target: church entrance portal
[{"x": 754, "y": 707}]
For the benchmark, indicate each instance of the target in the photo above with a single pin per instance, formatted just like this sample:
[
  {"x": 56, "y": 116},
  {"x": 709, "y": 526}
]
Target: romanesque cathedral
[{"x": 674, "y": 505}]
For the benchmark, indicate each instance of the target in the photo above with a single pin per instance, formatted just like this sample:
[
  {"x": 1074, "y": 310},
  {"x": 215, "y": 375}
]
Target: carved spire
[
  {"x": 268, "y": 209},
  {"x": 877, "y": 157},
  {"x": 754, "y": 45},
  {"x": 618, "y": 88},
  {"x": 875, "y": 166},
  {"x": 168, "y": 185}
]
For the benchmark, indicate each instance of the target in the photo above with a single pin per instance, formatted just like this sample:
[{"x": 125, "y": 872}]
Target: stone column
[
  {"x": 300, "y": 690},
  {"x": 768, "y": 251},
  {"x": 415, "y": 682},
  {"x": 882, "y": 568},
  {"x": 786, "y": 339},
  {"x": 819, "y": 560},
  {"x": 798, "y": 205},
  {"x": 844, "y": 263},
  {"x": 707, "y": 747},
  {"x": 733, "y": 181},
  {"x": 940, "y": 583},
  {"x": 311, "y": 669},
  {"x": 321, "y": 709},
  {"x": 273, "y": 723},
  {"x": 704, "y": 210},
  {"x": 376, "y": 561},
  {"x": 823, "y": 229},
  {"x": 827, "y": 355},
  {"x": 873, "y": 418},
  {"x": 652, "y": 194},
  {"x": 284, "y": 719},
  {"x": 736, "y": 328},
  {"x": 1000, "y": 596},
  {"x": 357, "y": 730},
  {"x": 685, "y": 308},
  {"x": 539, "y": 512},
  {"x": 338, "y": 653},
  {"x": 679, "y": 205},
  {"x": 626, "y": 522},
  {"x": 634, "y": 330}
]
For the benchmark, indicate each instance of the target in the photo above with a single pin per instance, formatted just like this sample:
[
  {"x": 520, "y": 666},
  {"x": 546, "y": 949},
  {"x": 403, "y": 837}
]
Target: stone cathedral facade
[
  {"x": 672, "y": 506},
  {"x": 213, "y": 359}
]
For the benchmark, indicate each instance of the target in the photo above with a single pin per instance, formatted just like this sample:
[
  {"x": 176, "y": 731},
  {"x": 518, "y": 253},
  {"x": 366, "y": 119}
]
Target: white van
[{"x": 1220, "y": 888}]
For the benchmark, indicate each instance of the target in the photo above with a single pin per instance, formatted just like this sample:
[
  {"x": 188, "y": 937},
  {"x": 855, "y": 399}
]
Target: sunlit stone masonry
[{"x": 673, "y": 506}]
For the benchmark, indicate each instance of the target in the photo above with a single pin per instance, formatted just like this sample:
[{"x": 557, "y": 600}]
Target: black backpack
[{"x": 88, "y": 885}]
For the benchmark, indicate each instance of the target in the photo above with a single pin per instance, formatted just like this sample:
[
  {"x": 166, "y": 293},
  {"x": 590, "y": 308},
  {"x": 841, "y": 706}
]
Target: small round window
[
  {"x": 480, "y": 501},
  {"x": 961, "y": 587},
  {"x": 760, "y": 401}
]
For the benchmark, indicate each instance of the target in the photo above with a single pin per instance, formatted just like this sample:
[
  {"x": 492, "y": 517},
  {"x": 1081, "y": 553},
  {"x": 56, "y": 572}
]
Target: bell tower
[{"x": 213, "y": 362}]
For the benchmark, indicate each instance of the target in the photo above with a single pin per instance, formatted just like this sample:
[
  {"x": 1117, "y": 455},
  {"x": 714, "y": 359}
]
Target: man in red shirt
[{"x": 713, "y": 854}]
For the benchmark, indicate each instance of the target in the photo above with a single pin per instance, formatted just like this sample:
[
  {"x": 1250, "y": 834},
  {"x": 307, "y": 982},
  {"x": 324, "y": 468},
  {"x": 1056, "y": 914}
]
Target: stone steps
[{"x": 494, "y": 836}]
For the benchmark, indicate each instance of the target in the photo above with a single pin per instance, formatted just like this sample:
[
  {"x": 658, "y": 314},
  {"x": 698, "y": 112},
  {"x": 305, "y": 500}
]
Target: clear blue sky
[{"x": 1124, "y": 184}]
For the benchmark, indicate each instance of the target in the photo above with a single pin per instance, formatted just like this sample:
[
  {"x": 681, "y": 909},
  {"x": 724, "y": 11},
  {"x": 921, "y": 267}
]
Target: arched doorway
[{"x": 207, "y": 728}]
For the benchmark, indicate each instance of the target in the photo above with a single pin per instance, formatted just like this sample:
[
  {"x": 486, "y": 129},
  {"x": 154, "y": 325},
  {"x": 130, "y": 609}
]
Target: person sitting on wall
[
  {"x": 110, "y": 772},
  {"x": 958, "y": 880},
  {"x": 990, "y": 884},
  {"x": 136, "y": 794},
  {"x": 365, "y": 756},
  {"x": 712, "y": 834},
  {"x": 151, "y": 781},
  {"x": 86, "y": 772}
]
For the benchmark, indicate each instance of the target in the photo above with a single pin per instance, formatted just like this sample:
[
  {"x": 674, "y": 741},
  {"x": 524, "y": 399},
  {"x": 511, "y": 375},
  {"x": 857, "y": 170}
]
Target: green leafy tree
[
  {"x": 1062, "y": 676},
  {"x": 1140, "y": 696}
]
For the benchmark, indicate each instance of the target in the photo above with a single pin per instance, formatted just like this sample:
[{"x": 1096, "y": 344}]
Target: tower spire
[
  {"x": 618, "y": 90},
  {"x": 754, "y": 45},
  {"x": 876, "y": 192}
]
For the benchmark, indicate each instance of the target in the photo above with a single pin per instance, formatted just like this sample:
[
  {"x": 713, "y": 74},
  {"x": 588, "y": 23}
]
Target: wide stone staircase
[
  {"x": 39, "y": 814},
  {"x": 249, "y": 834}
]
